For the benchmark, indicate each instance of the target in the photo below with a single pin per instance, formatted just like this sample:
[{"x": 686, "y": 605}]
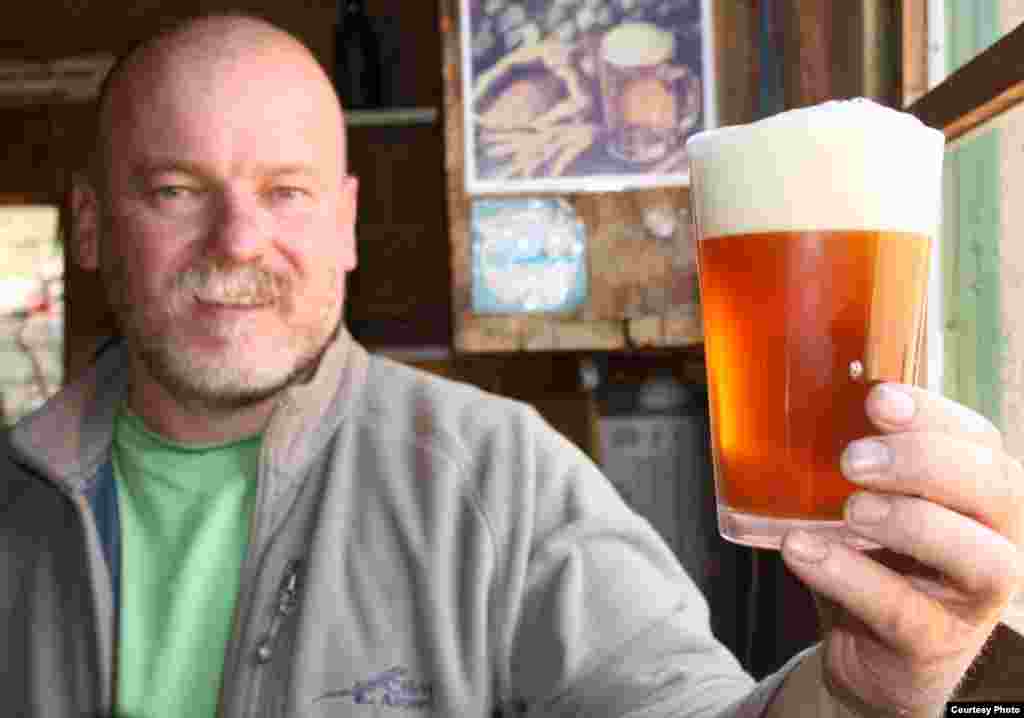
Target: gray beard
[
  {"x": 218, "y": 389},
  {"x": 195, "y": 385}
]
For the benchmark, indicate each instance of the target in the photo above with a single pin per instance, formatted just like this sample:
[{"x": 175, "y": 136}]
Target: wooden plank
[
  {"x": 835, "y": 50},
  {"x": 806, "y": 52},
  {"x": 985, "y": 87},
  {"x": 880, "y": 51},
  {"x": 737, "y": 60},
  {"x": 770, "y": 40},
  {"x": 914, "y": 50},
  {"x": 677, "y": 328}
]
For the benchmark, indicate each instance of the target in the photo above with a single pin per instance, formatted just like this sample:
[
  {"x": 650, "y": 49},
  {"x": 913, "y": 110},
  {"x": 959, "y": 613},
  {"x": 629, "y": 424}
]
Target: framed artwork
[
  {"x": 583, "y": 95},
  {"x": 529, "y": 255}
]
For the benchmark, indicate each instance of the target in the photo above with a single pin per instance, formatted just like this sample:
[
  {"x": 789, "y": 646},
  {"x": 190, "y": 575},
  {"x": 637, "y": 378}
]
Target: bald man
[{"x": 236, "y": 511}]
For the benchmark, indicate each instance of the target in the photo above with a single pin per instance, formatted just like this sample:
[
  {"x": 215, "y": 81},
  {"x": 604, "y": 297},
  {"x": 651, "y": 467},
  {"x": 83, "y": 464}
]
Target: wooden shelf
[{"x": 392, "y": 117}]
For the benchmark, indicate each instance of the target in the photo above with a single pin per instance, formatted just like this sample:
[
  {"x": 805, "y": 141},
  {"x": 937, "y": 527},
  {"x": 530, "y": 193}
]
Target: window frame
[{"x": 982, "y": 89}]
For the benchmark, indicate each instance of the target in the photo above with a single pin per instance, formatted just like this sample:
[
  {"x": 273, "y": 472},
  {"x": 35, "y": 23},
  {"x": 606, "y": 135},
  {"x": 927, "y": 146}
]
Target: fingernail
[
  {"x": 865, "y": 456},
  {"x": 806, "y": 547},
  {"x": 894, "y": 403},
  {"x": 868, "y": 509}
]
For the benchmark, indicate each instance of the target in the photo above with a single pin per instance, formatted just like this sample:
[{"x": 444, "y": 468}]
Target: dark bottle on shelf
[{"x": 357, "y": 73}]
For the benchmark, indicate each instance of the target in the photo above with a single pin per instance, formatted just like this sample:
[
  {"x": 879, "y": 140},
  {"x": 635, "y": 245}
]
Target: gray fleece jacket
[{"x": 418, "y": 548}]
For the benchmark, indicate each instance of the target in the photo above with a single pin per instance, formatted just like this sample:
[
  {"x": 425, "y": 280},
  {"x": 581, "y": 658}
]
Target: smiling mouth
[{"x": 230, "y": 305}]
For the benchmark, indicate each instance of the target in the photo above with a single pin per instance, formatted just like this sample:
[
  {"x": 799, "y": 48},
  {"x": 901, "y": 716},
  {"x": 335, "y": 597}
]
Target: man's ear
[
  {"x": 347, "y": 212},
  {"x": 85, "y": 224}
]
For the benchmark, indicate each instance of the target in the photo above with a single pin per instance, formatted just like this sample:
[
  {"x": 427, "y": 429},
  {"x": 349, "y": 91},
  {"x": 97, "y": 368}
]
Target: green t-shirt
[{"x": 184, "y": 513}]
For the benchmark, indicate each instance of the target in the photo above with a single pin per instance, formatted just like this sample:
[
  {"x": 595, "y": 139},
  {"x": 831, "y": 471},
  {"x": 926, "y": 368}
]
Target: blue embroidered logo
[{"x": 390, "y": 688}]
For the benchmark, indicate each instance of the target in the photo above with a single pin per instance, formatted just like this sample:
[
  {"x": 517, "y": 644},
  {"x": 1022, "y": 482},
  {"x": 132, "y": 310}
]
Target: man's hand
[{"x": 903, "y": 624}]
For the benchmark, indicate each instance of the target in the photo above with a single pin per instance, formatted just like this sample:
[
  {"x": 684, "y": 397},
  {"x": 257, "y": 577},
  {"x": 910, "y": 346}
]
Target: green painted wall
[{"x": 973, "y": 339}]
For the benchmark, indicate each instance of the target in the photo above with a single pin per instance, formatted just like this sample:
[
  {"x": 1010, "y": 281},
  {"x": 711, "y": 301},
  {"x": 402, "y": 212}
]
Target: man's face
[{"x": 226, "y": 227}]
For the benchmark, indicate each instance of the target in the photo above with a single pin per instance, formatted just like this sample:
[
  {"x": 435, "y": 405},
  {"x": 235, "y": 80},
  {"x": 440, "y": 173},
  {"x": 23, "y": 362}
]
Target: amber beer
[{"x": 814, "y": 234}]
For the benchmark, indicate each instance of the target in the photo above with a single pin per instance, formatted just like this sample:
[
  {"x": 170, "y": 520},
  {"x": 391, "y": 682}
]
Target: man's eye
[
  {"x": 288, "y": 194},
  {"x": 174, "y": 192}
]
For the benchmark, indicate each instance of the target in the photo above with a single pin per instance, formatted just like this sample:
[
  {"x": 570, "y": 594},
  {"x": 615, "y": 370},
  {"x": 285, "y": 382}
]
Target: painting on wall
[{"x": 583, "y": 95}]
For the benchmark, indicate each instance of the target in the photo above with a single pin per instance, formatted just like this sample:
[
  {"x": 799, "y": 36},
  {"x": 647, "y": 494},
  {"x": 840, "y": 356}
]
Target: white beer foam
[
  {"x": 634, "y": 44},
  {"x": 843, "y": 164}
]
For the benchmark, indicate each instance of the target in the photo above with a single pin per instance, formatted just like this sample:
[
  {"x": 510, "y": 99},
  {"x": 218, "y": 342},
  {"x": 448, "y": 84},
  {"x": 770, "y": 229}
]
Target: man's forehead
[
  {"x": 207, "y": 51},
  {"x": 201, "y": 48},
  {"x": 205, "y": 38},
  {"x": 245, "y": 76}
]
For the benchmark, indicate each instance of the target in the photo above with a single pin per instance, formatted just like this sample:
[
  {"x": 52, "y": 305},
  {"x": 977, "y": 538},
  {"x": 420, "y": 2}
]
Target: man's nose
[{"x": 242, "y": 229}]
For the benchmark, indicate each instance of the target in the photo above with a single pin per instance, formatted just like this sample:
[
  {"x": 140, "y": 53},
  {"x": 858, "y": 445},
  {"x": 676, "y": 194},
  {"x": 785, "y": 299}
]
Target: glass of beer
[{"x": 814, "y": 228}]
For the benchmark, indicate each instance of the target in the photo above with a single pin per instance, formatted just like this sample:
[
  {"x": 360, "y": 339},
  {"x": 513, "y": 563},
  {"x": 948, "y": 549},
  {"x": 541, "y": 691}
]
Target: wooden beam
[
  {"x": 836, "y": 50},
  {"x": 984, "y": 88},
  {"x": 805, "y": 28},
  {"x": 914, "y": 50},
  {"x": 880, "y": 51}
]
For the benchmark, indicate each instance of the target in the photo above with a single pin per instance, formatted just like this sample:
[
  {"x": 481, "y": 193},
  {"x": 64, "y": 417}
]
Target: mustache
[{"x": 246, "y": 284}]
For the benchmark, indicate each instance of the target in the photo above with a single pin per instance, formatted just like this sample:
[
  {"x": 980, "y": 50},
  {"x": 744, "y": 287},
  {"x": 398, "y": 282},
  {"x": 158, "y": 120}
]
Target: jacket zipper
[
  {"x": 287, "y": 602},
  {"x": 266, "y": 700}
]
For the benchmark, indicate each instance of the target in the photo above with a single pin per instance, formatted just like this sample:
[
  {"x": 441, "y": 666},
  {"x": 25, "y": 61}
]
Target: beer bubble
[{"x": 856, "y": 370}]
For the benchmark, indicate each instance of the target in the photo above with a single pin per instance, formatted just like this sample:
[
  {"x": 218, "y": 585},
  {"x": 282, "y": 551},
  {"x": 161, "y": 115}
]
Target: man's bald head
[{"x": 197, "y": 42}]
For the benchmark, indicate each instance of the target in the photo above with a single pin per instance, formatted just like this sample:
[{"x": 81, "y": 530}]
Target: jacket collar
[{"x": 69, "y": 437}]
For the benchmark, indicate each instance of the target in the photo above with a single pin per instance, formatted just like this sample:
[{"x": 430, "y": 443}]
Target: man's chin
[
  {"x": 222, "y": 389},
  {"x": 218, "y": 384}
]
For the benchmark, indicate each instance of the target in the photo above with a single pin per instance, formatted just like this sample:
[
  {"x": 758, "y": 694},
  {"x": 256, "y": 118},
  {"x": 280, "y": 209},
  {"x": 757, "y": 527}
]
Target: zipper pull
[{"x": 287, "y": 602}]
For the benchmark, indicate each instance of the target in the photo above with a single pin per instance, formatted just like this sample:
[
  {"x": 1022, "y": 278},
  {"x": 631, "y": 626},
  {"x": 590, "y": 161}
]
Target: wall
[{"x": 1011, "y": 173}]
